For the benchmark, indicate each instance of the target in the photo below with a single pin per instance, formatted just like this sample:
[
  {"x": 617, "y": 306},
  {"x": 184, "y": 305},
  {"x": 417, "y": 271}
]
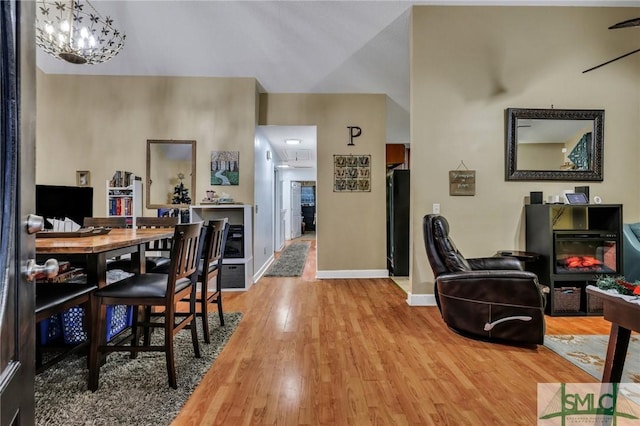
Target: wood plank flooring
[{"x": 352, "y": 352}]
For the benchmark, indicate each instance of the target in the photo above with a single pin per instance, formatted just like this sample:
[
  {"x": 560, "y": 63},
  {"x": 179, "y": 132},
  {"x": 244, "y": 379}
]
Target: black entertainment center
[{"x": 576, "y": 244}]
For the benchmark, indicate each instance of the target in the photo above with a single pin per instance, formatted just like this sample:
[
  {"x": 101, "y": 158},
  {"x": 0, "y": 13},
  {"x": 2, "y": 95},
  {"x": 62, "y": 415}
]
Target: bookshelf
[{"x": 124, "y": 198}]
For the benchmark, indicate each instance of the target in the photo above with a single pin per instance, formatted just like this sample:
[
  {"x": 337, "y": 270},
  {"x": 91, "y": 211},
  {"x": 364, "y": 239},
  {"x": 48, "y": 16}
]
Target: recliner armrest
[
  {"x": 495, "y": 263},
  {"x": 493, "y": 286}
]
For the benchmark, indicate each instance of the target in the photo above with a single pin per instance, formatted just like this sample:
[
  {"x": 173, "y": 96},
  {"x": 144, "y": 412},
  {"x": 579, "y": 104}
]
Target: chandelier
[{"x": 74, "y": 31}]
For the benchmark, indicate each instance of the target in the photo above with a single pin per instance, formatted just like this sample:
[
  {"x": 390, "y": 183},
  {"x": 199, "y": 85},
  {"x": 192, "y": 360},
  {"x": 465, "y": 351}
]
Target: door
[
  {"x": 17, "y": 188},
  {"x": 296, "y": 210}
]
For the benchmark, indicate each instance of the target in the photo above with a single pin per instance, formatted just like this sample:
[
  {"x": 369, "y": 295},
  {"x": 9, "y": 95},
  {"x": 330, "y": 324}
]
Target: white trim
[
  {"x": 421, "y": 299},
  {"x": 350, "y": 273},
  {"x": 263, "y": 269}
]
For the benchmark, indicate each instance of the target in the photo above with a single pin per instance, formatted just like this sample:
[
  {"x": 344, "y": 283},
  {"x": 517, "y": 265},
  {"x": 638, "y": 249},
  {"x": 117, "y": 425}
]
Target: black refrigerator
[{"x": 398, "y": 222}]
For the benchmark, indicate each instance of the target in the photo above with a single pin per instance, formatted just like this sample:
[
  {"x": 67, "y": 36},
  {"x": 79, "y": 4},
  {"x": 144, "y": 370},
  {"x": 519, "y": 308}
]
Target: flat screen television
[{"x": 58, "y": 202}]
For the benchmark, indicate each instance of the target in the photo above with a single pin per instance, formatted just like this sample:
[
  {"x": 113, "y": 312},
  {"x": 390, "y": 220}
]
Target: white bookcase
[
  {"x": 237, "y": 272},
  {"x": 125, "y": 201}
]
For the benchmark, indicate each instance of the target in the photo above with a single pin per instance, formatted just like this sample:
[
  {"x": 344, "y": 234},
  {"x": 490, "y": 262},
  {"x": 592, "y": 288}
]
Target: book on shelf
[{"x": 123, "y": 179}]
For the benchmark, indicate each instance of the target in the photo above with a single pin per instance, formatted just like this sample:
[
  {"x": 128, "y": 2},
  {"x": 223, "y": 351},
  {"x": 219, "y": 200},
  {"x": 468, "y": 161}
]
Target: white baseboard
[
  {"x": 260, "y": 272},
  {"x": 360, "y": 273},
  {"x": 421, "y": 299}
]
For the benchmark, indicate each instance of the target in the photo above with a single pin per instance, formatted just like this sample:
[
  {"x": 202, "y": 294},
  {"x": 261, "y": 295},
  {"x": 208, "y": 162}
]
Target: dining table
[{"x": 94, "y": 250}]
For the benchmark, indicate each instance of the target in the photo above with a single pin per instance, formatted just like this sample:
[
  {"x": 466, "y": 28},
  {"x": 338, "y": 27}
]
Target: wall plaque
[{"x": 462, "y": 182}]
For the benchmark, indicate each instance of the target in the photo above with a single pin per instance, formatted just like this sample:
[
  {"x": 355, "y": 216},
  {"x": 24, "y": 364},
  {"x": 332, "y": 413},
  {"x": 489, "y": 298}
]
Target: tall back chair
[
  {"x": 148, "y": 290},
  {"x": 162, "y": 246},
  {"x": 106, "y": 222},
  {"x": 210, "y": 268}
]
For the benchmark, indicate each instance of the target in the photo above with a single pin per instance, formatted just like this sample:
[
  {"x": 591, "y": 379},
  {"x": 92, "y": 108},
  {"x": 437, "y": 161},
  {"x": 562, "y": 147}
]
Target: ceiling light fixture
[
  {"x": 75, "y": 32},
  {"x": 292, "y": 141}
]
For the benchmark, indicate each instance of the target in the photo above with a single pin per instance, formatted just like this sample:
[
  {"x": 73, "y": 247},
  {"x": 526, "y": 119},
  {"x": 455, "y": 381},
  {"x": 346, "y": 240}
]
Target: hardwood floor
[{"x": 352, "y": 352}]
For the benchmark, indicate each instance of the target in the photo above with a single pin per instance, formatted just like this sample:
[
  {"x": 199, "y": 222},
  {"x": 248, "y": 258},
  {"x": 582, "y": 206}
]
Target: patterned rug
[
  {"x": 291, "y": 261},
  {"x": 589, "y": 352},
  {"x": 131, "y": 391}
]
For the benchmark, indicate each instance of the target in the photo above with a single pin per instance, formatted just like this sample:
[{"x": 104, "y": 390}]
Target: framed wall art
[
  {"x": 225, "y": 167},
  {"x": 83, "y": 178},
  {"x": 352, "y": 173}
]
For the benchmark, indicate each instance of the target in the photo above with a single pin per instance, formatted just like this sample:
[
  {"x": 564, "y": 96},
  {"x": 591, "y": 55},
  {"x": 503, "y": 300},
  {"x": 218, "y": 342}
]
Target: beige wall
[
  {"x": 102, "y": 123},
  {"x": 351, "y": 226},
  {"x": 468, "y": 64}
]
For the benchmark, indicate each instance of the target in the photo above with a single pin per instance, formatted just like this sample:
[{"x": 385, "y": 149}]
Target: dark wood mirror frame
[
  {"x": 153, "y": 204},
  {"x": 595, "y": 172}
]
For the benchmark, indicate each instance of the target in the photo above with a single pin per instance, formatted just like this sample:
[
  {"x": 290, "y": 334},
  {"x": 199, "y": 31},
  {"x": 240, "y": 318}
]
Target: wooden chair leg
[
  {"x": 135, "y": 330},
  {"x": 168, "y": 347},
  {"x": 98, "y": 331},
  {"x": 204, "y": 312},
  {"x": 147, "y": 329},
  {"x": 220, "y": 314},
  {"x": 193, "y": 325}
]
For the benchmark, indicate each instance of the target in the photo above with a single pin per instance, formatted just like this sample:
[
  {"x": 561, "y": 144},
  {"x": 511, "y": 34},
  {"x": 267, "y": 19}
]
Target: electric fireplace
[{"x": 585, "y": 252}]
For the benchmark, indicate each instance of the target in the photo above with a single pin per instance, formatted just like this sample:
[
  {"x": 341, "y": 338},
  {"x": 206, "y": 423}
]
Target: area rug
[
  {"x": 291, "y": 261},
  {"x": 132, "y": 391},
  {"x": 589, "y": 353}
]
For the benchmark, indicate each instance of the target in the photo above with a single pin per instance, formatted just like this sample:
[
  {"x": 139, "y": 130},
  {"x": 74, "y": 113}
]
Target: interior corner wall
[
  {"x": 102, "y": 123},
  {"x": 351, "y": 226},
  {"x": 468, "y": 64},
  {"x": 263, "y": 204}
]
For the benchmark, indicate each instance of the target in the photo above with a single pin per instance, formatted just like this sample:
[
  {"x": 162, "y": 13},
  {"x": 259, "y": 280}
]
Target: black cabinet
[
  {"x": 576, "y": 244},
  {"x": 398, "y": 222}
]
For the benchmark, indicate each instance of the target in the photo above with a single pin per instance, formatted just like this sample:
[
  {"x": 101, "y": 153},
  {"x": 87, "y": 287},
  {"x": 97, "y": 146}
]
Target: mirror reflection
[
  {"x": 171, "y": 172},
  {"x": 554, "y": 144}
]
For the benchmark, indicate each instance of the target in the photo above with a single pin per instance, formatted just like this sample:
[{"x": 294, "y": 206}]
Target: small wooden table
[
  {"x": 95, "y": 250},
  {"x": 624, "y": 317}
]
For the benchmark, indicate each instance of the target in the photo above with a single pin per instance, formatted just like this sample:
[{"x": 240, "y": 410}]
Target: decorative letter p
[{"x": 354, "y": 132}]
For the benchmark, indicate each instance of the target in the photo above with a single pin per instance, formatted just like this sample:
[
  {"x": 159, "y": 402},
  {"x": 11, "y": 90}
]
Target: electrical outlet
[{"x": 436, "y": 208}]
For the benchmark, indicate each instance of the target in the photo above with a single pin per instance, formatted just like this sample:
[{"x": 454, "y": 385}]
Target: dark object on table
[
  {"x": 82, "y": 232},
  {"x": 486, "y": 298}
]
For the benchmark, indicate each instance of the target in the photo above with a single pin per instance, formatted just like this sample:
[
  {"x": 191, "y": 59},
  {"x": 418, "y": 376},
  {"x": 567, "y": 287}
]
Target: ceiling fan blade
[
  {"x": 626, "y": 24},
  {"x": 612, "y": 60}
]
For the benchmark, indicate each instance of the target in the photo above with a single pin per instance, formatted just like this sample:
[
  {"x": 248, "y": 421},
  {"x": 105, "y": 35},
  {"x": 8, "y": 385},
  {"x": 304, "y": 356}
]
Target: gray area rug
[
  {"x": 132, "y": 391},
  {"x": 291, "y": 261}
]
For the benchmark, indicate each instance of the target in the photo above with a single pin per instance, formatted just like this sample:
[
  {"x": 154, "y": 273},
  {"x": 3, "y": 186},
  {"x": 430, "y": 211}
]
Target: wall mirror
[
  {"x": 169, "y": 164},
  {"x": 554, "y": 144}
]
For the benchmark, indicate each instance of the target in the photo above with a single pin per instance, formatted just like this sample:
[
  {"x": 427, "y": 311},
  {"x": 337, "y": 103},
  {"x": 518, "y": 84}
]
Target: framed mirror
[
  {"x": 171, "y": 173},
  {"x": 554, "y": 144}
]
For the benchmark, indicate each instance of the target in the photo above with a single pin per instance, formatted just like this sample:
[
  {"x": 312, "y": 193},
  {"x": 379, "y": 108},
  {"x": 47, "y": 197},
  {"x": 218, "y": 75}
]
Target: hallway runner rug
[
  {"x": 132, "y": 391},
  {"x": 291, "y": 261}
]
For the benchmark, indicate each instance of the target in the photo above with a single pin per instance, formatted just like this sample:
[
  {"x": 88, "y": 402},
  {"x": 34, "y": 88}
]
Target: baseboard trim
[
  {"x": 421, "y": 299},
  {"x": 260, "y": 272},
  {"x": 360, "y": 273}
]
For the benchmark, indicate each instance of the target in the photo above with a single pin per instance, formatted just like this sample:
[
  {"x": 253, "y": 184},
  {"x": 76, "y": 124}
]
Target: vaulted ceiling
[{"x": 288, "y": 46}]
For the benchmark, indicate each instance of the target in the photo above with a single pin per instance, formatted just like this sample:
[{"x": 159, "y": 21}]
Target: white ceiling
[{"x": 288, "y": 46}]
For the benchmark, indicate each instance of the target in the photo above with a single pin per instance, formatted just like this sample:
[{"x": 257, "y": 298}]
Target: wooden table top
[{"x": 115, "y": 239}]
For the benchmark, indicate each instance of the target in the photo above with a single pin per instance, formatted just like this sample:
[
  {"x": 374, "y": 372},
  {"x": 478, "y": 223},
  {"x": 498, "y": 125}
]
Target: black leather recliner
[{"x": 486, "y": 298}]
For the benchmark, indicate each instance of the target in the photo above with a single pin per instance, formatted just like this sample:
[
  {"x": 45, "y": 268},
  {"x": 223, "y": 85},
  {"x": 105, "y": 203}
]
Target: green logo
[{"x": 590, "y": 402}]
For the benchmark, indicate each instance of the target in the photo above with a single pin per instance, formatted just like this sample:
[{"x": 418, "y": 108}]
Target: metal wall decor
[{"x": 352, "y": 173}]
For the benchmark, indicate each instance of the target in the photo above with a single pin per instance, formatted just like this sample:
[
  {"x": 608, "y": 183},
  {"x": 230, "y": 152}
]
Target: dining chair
[
  {"x": 210, "y": 267},
  {"x": 157, "y": 251},
  {"x": 162, "y": 247},
  {"x": 146, "y": 291},
  {"x": 105, "y": 222}
]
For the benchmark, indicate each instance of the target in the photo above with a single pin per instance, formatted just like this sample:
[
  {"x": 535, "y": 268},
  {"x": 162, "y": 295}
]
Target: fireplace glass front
[{"x": 585, "y": 252}]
